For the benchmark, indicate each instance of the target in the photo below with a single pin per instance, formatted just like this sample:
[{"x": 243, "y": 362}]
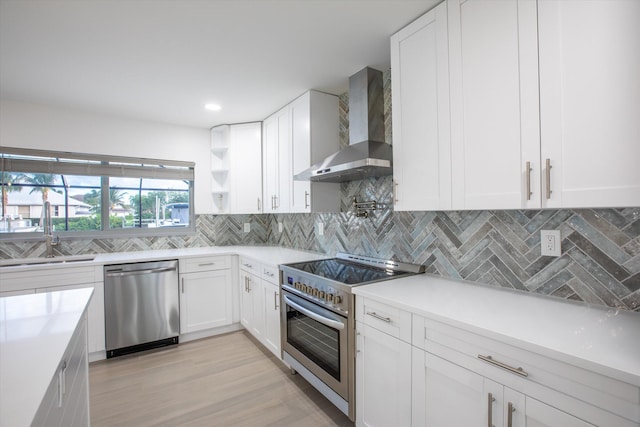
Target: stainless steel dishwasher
[{"x": 142, "y": 309}]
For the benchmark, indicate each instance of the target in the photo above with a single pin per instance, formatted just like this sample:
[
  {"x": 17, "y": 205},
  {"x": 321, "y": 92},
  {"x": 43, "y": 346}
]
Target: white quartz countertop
[
  {"x": 271, "y": 255},
  {"x": 35, "y": 331},
  {"x": 597, "y": 338}
]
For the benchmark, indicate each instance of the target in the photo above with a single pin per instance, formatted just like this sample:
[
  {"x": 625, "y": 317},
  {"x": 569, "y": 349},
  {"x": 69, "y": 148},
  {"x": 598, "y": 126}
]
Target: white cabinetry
[
  {"x": 542, "y": 102},
  {"x": 260, "y": 302},
  {"x": 43, "y": 278},
  {"x": 589, "y": 92},
  {"x": 66, "y": 401},
  {"x": 271, "y": 300},
  {"x": 314, "y": 136},
  {"x": 460, "y": 378},
  {"x": 276, "y": 171},
  {"x": 236, "y": 168},
  {"x": 206, "y": 287},
  {"x": 383, "y": 365},
  {"x": 421, "y": 140},
  {"x": 494, "y": 103}
]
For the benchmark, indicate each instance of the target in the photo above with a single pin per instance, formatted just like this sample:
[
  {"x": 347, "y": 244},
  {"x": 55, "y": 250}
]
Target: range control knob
[
  {"x": 297, "y": 285},
  {"x": 314, "y": 292},
  {"x": 320, "y": 294},
  {"x": 329, "y": 297},
  {"x": 337, "y": 299}
]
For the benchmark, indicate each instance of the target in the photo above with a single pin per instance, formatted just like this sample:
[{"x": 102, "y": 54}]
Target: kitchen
[{"x": 460, "y": 219}]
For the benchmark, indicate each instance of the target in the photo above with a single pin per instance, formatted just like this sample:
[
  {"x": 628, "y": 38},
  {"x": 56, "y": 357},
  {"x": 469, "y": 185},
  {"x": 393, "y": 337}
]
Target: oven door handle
[{"x": 325, "y": 321}]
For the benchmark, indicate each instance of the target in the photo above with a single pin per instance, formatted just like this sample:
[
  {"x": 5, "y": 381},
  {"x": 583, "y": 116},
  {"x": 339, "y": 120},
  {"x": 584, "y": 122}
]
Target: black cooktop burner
[{"x": 347, "y": 272}]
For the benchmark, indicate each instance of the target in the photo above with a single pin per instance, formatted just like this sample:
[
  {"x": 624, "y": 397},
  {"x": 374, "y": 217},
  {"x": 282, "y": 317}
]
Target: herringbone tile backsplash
[{"x": 601, "y": 247}]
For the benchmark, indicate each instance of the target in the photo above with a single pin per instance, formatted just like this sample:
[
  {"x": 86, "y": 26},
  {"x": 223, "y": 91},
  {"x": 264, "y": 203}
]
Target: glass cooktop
[{"x": 347, "y": 272}]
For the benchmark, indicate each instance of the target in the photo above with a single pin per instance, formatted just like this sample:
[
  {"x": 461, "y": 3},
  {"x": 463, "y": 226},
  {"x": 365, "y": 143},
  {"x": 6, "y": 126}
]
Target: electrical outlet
[
  {"x": 279, "y": 227},
  {"x": 320, "y": 229},
  {"x": 550, "y": 243},
  {"x": 247, "y": 227}
]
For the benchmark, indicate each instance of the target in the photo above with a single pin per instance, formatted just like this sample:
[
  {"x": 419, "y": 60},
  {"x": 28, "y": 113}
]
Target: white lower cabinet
[
  {"x": 271, "y": 300},
  {"x": 260, "y": 302},
  {"x": 66, "y": 401},
  {"x": 444, "y": 393},
  {"x": 206, "y": 288},
  {"x": 383, "y": 379}
]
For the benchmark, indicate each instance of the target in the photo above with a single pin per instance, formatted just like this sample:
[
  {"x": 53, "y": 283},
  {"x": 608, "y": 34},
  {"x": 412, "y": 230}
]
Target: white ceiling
[{"x": 161, "y": 60}]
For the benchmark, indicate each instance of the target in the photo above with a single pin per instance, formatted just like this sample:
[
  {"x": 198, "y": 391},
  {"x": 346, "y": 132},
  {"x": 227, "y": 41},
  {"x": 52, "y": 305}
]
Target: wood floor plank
[{"x": 228, "y": 380}]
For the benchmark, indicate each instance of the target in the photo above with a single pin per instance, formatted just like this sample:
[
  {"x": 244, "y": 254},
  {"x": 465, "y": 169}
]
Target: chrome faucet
[{"x": 50, "y": 239}]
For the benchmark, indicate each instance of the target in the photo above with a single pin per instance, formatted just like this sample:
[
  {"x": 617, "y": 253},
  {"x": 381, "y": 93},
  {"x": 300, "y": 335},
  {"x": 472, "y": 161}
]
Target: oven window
[{"x": 318, "y": 342}]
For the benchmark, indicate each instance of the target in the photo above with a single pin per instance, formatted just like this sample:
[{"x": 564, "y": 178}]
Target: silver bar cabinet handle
[
  {"x": 548, "y": 176},
  {"x": 258, "y": 203},
  {"x": 377, "y": 316},
  {"x": 510, "y": 411},
  {"x": 490, "y": 400},
  {"x": 306, "y": 197},
  {"x": 275, "y": 300},
  {"x": 528, "y": 177},
  {"x": 491, "y": 360}
]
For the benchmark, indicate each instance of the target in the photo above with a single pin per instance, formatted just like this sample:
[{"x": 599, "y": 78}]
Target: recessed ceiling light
[{"x": 212, "y": 107}]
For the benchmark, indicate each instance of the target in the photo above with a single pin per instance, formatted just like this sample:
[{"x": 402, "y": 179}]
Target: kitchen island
[{"x": 43, "y": 359}]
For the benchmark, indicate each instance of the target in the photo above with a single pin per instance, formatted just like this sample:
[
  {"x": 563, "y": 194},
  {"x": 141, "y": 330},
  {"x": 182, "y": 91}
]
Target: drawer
[
  {"x": 385, "y": 318},
  {"x": 22, "y": 279},
  {"x": 251, "y": 265},
  {"x": 524, "y": 369},
  {"x": 271, "y": 274},
  {"x": 207, "y": 263}
]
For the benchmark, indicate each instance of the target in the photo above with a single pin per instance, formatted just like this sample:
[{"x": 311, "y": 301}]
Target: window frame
[{"x": 103, "y": 166}]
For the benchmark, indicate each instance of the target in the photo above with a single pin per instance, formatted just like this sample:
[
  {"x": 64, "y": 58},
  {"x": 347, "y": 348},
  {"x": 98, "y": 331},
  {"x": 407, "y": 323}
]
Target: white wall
[{"x": 36, "y": 126}]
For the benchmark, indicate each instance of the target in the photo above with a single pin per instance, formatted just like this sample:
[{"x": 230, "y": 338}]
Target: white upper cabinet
[
  {"x": 494, "y": 103},
  {"x": 590, "y": 102},
  {"x": 420, "y": 98},
  {"x": 314, "y": 136},
  {"x": 236, "y": 168},
  {"x": 277, "y": 175}
]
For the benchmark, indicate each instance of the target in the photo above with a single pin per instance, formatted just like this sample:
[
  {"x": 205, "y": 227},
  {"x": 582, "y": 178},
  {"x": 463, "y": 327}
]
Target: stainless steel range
[{"x": 318, "y": 323}]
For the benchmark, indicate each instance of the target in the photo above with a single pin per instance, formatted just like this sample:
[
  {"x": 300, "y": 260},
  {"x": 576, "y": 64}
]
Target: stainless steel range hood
[{"x": 367, "y": 154}]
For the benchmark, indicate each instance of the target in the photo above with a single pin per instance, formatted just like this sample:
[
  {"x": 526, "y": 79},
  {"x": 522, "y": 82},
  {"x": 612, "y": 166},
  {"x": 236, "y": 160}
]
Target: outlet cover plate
[
  {"x": 320, "y": 229},
  {"x": 247, "y": 227},
  {"x": 550, "y": 243}
]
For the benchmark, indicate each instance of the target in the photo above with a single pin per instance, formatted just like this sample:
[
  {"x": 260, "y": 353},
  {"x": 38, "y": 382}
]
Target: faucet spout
[{"x": 50, "y": 239}]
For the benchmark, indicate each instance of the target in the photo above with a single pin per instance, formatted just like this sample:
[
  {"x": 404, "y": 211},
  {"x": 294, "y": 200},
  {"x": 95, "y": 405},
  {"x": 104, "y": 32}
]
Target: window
[{"x": 92, "y": 194}]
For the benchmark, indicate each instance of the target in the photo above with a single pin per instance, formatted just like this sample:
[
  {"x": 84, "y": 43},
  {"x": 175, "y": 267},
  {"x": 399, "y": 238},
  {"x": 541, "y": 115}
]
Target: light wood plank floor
[{"x": 223, "y": 381}]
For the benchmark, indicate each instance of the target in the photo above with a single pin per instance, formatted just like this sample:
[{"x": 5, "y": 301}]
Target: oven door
[{"x": 317, "y": 338}]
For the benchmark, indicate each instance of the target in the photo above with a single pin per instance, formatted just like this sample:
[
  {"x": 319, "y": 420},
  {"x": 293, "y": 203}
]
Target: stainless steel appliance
[
  {"x": 318, "y": 324},
  {"x": 141, "y": 304}
]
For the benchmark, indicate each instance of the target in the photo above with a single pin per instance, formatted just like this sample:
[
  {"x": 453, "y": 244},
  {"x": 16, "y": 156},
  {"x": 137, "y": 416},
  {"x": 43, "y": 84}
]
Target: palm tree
[
  {"x": 116, "y": 197},
  {"x": 6, "y": 181},
  {"x": 42, "y": 182}
]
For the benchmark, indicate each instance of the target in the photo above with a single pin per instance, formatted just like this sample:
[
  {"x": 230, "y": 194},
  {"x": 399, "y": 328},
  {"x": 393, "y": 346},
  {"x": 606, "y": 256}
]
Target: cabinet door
[
  {"x": 314, "y": 136},
  {"x": 277, "y": 163},
  {"x": 246, "y": 300},
  {"x": 494, "y": 103},
  {"x": 246, "y": 168},
  {"x": 589, "y": 92},
  {"x": 421, "y": 137},
  {"x": 251, "y": 304},
  {"x": 540, "y": 415},
  {"x": 271, "y": 300},
  {"x": 95, "y": 314},
  {"x": 444, "y": 394},
  {"x": 205, "y": 300},
  {"x": 383, "y": 379}
]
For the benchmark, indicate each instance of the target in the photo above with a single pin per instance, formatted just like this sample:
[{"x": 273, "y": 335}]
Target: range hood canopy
[{"x": 367, "y": 154}]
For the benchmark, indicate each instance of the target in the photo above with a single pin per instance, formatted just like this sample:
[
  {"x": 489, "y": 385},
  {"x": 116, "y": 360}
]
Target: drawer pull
[
  {"x": 248, "y": 265},
  {"x": 377, "y": 316},
  {"x": 489, "y": 359},
  {"x": 206, "y": 264},
  {"x": 269, "y": 273}
]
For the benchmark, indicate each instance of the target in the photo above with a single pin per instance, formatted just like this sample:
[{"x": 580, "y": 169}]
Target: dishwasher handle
[{"x": 121, "y": 273}]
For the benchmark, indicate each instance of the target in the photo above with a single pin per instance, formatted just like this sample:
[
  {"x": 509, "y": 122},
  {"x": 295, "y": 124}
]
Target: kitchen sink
[{"x": 46, "y": 261}]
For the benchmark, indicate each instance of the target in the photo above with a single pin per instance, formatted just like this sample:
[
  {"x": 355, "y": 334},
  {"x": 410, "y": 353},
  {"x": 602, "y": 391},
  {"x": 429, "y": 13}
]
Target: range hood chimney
[{"x": 367, "y": 154}]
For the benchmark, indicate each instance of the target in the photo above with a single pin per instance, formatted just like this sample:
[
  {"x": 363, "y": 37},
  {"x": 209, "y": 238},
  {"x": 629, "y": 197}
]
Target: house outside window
[{"x": 91, "y": 195}]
